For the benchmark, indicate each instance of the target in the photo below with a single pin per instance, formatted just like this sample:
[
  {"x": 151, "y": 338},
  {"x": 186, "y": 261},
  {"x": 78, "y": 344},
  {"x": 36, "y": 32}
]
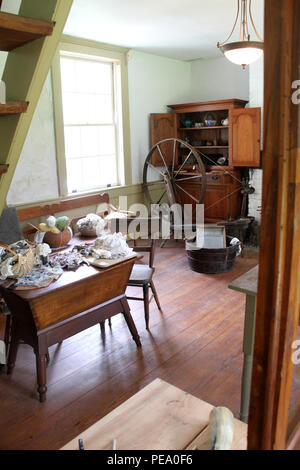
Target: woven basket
[{"x": 25, "y": 262}]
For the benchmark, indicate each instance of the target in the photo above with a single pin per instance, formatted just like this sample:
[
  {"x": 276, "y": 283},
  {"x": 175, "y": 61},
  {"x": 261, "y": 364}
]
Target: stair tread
[
  {"x": 13, "y": 107},
  {"x": 3, "y": 168},
  {"x": 17, "y": 30}
]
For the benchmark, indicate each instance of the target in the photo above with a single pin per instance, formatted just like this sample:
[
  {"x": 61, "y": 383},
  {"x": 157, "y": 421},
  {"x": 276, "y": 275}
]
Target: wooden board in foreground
[{"x": 158, "y": 417}]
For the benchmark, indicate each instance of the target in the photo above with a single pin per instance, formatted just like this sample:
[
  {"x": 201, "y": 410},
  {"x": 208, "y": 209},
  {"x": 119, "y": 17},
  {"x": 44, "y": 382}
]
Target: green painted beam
[{"x": 25, "y": 72}]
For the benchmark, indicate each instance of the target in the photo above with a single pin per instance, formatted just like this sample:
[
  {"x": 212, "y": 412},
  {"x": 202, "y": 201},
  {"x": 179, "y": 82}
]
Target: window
[{"x": 88, "y": 117}]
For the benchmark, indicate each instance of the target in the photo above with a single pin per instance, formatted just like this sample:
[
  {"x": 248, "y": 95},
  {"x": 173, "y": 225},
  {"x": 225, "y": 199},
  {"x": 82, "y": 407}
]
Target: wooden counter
[{"x": 158, "y": 417}]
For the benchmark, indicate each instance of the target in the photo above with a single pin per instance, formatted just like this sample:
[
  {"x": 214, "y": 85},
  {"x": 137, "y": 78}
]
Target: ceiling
[{"x": 179, "y": 29}]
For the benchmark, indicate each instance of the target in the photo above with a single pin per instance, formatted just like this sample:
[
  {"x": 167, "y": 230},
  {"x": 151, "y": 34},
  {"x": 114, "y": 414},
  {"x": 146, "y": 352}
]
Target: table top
[
  {"x": 160, "y": 416},
  {"x": 69, "y": 277},
  {"x": 247, "y": 282}
]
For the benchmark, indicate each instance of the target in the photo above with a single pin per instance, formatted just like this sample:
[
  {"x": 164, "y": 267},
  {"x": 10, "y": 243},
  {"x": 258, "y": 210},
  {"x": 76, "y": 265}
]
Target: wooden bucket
[{"x": 213, "y": 260}]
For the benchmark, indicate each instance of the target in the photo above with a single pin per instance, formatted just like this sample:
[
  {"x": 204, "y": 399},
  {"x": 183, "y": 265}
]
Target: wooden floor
[{"x": 196, "y": 344}]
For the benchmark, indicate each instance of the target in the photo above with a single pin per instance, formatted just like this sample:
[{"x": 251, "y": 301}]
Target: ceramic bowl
[{"x": 210, "y": 122}]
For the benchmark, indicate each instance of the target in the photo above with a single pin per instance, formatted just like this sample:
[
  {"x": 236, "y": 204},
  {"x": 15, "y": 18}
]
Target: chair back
[{"x": 147, "y": 249}]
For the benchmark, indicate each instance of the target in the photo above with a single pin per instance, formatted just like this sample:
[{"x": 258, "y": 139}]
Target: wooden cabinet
[
  {"x": 222, "y": 197},
  {"x": 230, "y": 142},
  {"x": 238, "y": 142},
  {"x": 244, "y": 131},
  {"x": 163, "y": 126}
]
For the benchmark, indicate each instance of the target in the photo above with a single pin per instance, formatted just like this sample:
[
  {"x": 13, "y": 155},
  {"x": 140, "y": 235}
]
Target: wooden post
[{"x": 279, "y": 261}]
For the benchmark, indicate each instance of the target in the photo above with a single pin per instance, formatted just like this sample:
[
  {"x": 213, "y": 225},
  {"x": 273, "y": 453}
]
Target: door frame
[{"x": 279, "y": 261}]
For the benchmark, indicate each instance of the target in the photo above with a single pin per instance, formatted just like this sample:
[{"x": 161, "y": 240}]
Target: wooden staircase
[
  {"x": 31, "y": 40},
  {"x": 15, "y": 30}
]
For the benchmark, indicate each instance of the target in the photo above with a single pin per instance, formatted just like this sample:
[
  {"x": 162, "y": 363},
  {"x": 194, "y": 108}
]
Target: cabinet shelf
[
  {"x": 207, "y": 147},
  {"x": 13, "y": 107},
  {"x": 15, "y": 30},
  {"x": 201, "y": 128},
  {"x": 211, "y": 147}
]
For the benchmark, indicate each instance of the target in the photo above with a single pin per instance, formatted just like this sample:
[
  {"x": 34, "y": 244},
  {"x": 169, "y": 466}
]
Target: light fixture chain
[
  {"x": 236, "y": 20},
  {"x": 252, "y": 22}
]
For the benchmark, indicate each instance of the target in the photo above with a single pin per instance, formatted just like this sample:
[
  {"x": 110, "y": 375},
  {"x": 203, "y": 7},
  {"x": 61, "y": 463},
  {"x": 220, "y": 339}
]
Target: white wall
[
  {"x": 256, "y": 83},
  {"x": 216, "y": 79},
  {"x": 35, "y": 178},
  {"x": 154, "y": 82}
]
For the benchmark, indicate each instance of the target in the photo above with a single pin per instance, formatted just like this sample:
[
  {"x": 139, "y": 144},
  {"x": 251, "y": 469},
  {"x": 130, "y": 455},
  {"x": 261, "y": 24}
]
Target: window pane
[
  {"x": 93, "y": 76},
  {"x": 85, "y": 108},
  {"x": 104, "y": 109},
  {"x": 90, "y": 173},
  {"x": 107, "y": 140},
  {"x": 89, "y": 123},
  {"x": 72, "y": 142},
  {"x": 108, "y": 173},
  {"x": 68, "y": 68},
  {"x": 74, "y": 175},
  {"x": 90, "y": 142}
]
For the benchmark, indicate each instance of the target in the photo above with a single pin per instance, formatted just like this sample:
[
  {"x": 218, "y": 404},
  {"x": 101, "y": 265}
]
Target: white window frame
[{"x": 118, "y": 56}]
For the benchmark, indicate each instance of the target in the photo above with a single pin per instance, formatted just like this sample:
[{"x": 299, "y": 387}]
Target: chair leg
[
  {"x": 102, "y": 324},
  {"x": 155, "y": 295},
  {"x": 146, "y": 304}
]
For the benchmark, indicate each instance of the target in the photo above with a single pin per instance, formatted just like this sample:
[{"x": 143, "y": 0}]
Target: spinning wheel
[{"x": 167, "y": 175}]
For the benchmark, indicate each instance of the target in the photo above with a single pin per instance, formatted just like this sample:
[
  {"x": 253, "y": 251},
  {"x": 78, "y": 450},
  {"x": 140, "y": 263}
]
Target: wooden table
[
  {"x": 158, "y": 417},
  {"x": 76, "y": 301},
  {"x": 247, "y": 283}
]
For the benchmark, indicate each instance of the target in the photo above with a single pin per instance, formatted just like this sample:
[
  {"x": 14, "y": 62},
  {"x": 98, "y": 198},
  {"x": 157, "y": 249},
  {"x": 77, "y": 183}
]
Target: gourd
[
  {"x": 62, "y": 222},
  {"x": 45, "y": 228}
]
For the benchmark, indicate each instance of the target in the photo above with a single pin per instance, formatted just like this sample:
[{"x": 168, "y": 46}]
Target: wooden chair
[{"x": 141, "y": 276}]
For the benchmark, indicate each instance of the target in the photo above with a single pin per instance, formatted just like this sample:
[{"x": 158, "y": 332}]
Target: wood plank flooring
[{"x": 195, "y": 344}]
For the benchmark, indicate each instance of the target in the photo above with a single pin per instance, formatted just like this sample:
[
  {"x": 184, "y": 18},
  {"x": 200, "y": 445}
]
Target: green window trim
[{"x": 93, "y": 48}]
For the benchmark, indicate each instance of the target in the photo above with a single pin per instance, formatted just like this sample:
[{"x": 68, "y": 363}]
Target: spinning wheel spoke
[
  {"x": 174, "y": 154},
  {"x": 154, "y": 168},
  {"x": 163, "y": 159},
  {"x": 187, "y": 193},
  {"x": 186, "y": 159},
  {"x": 189, "y": 178},
  {"x": 161, "y": 197}
]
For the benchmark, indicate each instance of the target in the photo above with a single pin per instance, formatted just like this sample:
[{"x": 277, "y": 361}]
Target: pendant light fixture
[{"x": 245, "y": 51}]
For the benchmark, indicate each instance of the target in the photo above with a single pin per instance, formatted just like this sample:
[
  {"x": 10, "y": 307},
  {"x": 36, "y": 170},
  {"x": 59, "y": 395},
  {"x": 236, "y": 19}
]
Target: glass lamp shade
[{"x": 243, "y": 52}]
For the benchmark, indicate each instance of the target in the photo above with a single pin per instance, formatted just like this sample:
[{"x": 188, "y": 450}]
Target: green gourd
[{"x": 62, "y": 222}]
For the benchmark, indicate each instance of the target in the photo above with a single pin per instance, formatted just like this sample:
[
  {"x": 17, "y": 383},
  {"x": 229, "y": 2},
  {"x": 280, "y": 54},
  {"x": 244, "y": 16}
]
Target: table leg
[
  {"x": 41, "y": 360},
  {"x": 13, "y": 347},
  {"x": 130, "y": 322},
  {"x": 248, "y": 346},
  {"x": 7, "y": 332}
]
